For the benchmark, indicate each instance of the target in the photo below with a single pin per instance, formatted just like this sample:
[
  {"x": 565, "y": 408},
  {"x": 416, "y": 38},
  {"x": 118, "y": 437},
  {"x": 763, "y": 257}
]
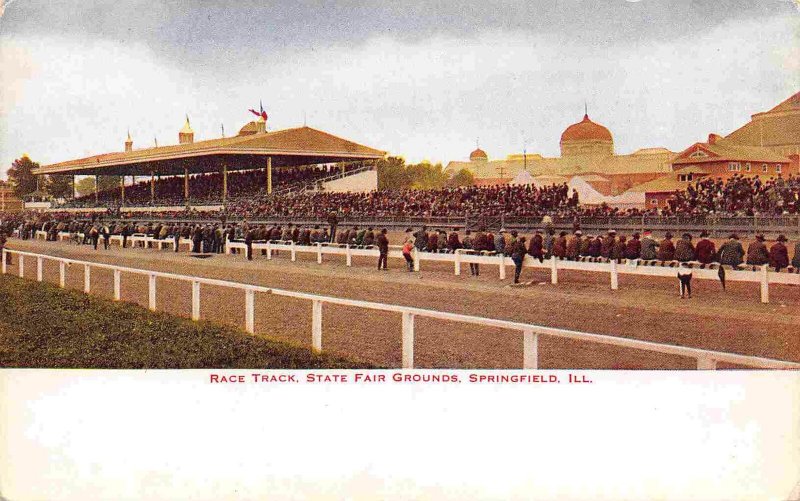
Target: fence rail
[
  {"x": 706, "y": 359},
  {"x": 761, "y": 275}
]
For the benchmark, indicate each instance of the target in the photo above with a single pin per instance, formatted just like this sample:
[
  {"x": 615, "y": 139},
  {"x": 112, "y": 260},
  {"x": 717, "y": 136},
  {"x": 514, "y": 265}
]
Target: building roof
[
  {"x": 478, "y": 154},
  {"x": 586, "y": 130},
  {"x": 287, "y": 147},
  {"x": 725, "y": 150},
  {"x": 779, "y": 126}
]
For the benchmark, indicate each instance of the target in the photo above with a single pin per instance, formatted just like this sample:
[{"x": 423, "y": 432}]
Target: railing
[
  {"x": 762, "y": 275},
  {"x": 706, "y": 359}
]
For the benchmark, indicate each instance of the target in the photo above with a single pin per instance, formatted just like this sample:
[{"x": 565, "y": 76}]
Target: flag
[{"x": 262, "y": 113}]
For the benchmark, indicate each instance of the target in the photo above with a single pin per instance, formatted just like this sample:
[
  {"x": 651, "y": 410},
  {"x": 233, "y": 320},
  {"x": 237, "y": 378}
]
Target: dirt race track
[{"x": 643, "y": 308}]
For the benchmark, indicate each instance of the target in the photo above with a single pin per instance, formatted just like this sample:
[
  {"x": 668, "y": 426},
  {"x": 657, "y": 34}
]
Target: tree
[
  {"x": 85, "y": 186},
  {"x": 392, "y": 174},
  {"x": 461, "y": 178},
  {"x": 59, "y": 186},
  {"x": 21, "y": 176},
  {"x": 109, "y": 183},
  {"x": 425, "y": 176}
]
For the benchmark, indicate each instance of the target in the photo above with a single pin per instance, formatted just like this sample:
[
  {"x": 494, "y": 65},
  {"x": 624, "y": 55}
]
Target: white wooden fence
[
  {"x": 762, "y": 275},
  {"x": 706, "y": 359}
]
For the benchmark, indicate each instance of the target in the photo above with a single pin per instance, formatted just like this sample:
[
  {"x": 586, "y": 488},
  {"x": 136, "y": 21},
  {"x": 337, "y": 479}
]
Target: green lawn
[{"x": 44, "y": 326}]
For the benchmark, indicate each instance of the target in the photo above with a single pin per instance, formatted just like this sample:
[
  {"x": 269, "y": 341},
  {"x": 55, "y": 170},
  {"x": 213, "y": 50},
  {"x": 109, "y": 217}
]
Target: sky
[{"x": 423, "y": 80}]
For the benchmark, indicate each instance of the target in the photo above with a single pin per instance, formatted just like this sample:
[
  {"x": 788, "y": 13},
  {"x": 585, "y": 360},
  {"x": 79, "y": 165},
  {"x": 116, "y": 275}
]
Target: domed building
[
  {"x": 587, "y": 150},
  {"x": 586, "y": 138}
]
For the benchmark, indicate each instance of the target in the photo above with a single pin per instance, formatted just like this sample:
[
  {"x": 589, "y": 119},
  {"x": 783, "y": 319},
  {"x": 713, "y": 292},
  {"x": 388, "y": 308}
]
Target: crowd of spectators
[
  {"x": 204, "y": 189},
  {"x": 739, "y": 195}
]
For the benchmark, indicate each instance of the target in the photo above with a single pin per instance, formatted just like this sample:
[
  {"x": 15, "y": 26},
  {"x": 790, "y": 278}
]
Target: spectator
[
  {"x": 779, "y": 254},
  {"x": 705, "y": 250},
  {"x": 731, "y": 252},
  {"x": 684, "y": 250},
  {"x": 666, "y": 249},
  {"x": 757, "y": 254}
]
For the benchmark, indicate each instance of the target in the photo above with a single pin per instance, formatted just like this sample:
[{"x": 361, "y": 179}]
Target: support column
[
  {"x": 269, "y": 175},
  {"x": 74, "y": 191},
  {"x": 152, "y": 187},
  {"x": 186, "y": 185},
  {"x": 96, "y": 189},
  {"x": 122, "y": 185},
  {"x": 224, "y": 183}
]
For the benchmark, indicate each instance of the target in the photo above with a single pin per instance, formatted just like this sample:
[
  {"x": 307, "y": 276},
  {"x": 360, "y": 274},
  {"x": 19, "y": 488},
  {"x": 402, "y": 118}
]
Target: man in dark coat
[
  {"x": 333, "y": 220},
  {"x": 383, "y": 249},
  {"x": 248, "y": 241},
  {"x": 779, "y": 254},
  {"x": 684, "y": 250},
  {"x": 518, "y": 252},
  {"x": 453, "y": 242},
  {"x": 633, "y": 248},
  {"x": 536, "y": 247},
  {"x": 574, "y": 245},
  {"x": 433, "y": 241},
  {"x": 608, "y": 244},
  {"x": 731, "y": 252},
  {"x": 705, "y": 250},
  {"x": 560, "y": 245},
  {"x": 421, "y": 239},
  {"x": 666, "y": 249},
  {"x": 796, "y": 258},
  {"x": 757, "y": 254},
  {"x": 649, "y": 247},
  {"x": 596, "y": 246},
  {"x": 369, "y": 237}
]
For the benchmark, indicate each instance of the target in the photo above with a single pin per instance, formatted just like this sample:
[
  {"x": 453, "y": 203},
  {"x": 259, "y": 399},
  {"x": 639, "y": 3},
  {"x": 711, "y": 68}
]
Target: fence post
[
  {"x": 457, "y": 261},
  {"x": 62, "y": 274},
  {"x": 553, "y": 270},
  {"x": 530, "y": 350},
  {"x": 294, "y": 253},
  {"x": 195, "y": 300},
  {"x": 250, "y": 310},
  {"x": 269, "y": 250},
  {"x": 4, "y": 266},
  {"x": 38, "y": 269},
  {"x": 707, "y": 364},
  {"x": 408, "y": 340},
  {"x": 765, "y": 284},
  {"x": 614, "y": 275},
  {"x": 151, "y": 296},
  {"x": 349, "y": 256},
  {"x": 316, "y": 326},
  {"x": 502, "y": 267},
  {"x": 416, "y": 259},
  {"x": 319, "y": 253},
  {"x": 117, "y": 292},
  {"x": 21, "y": 266},
  {"x": 87, "y": 279}
]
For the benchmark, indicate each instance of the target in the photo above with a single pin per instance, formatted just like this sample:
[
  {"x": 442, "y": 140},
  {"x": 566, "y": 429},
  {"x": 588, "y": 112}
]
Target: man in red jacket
[{"x": 706, "y": 250}]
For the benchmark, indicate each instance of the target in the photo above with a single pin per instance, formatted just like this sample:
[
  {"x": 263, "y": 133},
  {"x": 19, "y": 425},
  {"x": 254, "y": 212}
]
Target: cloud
[{"x": 424, "y": 99}]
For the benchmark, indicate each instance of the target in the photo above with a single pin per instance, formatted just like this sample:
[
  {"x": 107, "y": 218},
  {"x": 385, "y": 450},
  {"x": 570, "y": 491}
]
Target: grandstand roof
[
  {"x": 777, "y": 127},
  {"x": 288, "y": 148},
  {"x": 727, "y": 150}
]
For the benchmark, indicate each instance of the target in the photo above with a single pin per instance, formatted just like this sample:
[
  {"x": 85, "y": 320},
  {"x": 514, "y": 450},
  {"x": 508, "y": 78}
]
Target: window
[
  {"x": 764, "y": 168},
  {"x": 747, "y": 167},
  {"x": 778, "y": 168},
  {"x": 682, "y": 177},
  {"x": 653, "y": 201},
  {"x": 734, "y": 166},
  {"x": 698, "y": 154}
]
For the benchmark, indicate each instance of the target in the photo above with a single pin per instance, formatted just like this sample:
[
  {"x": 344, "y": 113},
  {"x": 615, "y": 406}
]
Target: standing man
[
  {"x": 518, "y": 252},
  {"x": 383, "y": 249},
  {"x": 421, "y": 239},
  {"x": 333, "y": 221},
  {"x": 536, "y": 247}
]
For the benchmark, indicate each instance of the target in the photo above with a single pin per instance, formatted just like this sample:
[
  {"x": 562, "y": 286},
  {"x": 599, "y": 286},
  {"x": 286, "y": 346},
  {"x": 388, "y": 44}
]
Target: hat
[
  {"x": 612, "y": 232},
  {"x": 703, "y": 234},
  {"x": 781, "y": 238},
  {"x": 578, "y": 232},
  {"x": 538, "y": 231},
  {"x": 668, "y": 235},
  {"x": 734, "y": 236},
  {"x": 502, "y": 230},
  {"x": 687, "y": 236},
  {"x": 760, "y": 237}
]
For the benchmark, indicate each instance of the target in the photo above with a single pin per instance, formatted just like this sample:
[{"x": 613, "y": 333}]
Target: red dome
[
  {"x": 478, "y": 154},
  {"x": 586, "y": 130}
]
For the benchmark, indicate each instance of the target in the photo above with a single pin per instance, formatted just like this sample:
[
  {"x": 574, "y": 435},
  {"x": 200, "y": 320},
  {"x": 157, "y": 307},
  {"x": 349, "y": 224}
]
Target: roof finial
[
  {"x": 129, "y": 134},
  {"x": 477, "y": 143},
  {"x": 223, "y": 129},
  {"x": 585, "y": 110}
]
